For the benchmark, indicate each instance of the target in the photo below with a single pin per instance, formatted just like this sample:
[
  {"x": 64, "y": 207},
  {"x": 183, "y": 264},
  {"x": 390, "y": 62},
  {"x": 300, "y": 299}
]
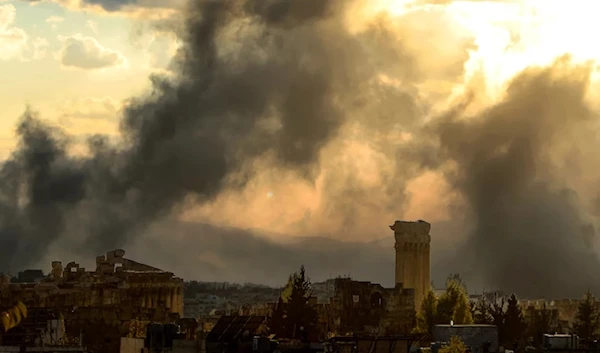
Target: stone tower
[{"x": 412, "y": 257}]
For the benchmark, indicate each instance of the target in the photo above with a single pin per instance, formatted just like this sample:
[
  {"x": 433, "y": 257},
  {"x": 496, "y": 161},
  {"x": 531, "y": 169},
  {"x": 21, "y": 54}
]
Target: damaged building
[
  {"x": 117, "y": 299},
  {"x": 368, "y": 308},
  {"x": 359, "y": 307}
]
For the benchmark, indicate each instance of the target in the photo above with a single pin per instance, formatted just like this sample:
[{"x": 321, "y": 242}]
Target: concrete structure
[
  {"x": 117, "y": 281},
  {"x": 98, "y": 307},
  {"x": 367, "y": 308},
  {"x": 412, "y": 257},
  {"x": 132, "y": 345}
]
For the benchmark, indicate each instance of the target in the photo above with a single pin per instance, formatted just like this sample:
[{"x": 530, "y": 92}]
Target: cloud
[
  {"x": 126, "y": 5},
  {"x": 37, "y": 48},
  {"x": 82, "y": 52},
  {"x": 92, "y": 26},
  {"x": 86, "y": 117},
  {"x": 146, "y": 9},
  {"x": 15, "y": 43},
  {"x": 90, "y": 109},
  {"x": 53, "y": 20},
  {"x": 13, "y": 40},
  {"x": 311, "y": 121}
]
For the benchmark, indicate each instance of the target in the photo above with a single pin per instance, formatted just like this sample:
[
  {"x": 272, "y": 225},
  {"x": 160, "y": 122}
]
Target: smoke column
[
  {"x": 303, "y": 93},
  {"x": 268, "y": 80},
  {"x": 530, "y": 230}
]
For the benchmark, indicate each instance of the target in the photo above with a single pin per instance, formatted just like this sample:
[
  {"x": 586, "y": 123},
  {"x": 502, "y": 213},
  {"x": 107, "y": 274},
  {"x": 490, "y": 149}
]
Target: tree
[
  {"x": 498, "y": 312},
  {"x": 540, "y": 322},
  {"x": 514, "y": 323},
  {"x": 426, "y": 318},
  {"x": 299, "y": 317},
  {"x": 276, "y": 324},
  {"x": 286, "y": 293},
  {"x": 481, "y": 311},
  {"x": 456, "y": 345},
  {"x": 462, "y": 311},
  {"x": 587, "y": 320},
  {"x": 454, "y": 303}
]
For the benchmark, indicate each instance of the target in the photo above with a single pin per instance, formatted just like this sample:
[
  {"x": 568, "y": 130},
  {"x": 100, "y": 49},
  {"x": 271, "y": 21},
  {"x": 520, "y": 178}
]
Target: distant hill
[{"x": 199, "y": 251}]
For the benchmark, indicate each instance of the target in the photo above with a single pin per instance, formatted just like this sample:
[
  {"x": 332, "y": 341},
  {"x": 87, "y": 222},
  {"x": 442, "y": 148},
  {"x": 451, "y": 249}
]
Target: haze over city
[{"x": 235, "y": 140}]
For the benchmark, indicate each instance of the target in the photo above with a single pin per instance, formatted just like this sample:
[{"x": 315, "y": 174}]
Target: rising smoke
[
  {"x": 530, "y": 230},
  {"x": 288, "y": 91}
]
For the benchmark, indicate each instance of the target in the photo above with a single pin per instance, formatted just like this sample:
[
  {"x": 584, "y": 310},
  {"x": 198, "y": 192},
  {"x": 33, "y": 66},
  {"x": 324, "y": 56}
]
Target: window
[{"x": 376, "y": 300}]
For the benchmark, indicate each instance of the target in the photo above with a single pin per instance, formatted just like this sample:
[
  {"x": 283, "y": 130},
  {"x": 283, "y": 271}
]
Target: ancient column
[
  {"x": 412, "y": 257},
  {"x": 173, "y": 301}
]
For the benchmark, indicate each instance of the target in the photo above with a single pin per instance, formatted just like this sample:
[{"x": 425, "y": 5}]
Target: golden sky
[{"x": 76, "y": 64}]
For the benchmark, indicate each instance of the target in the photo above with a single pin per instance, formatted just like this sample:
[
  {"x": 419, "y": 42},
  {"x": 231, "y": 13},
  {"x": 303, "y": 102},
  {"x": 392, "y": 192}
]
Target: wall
[
  {"x": 364, "y": 307},
  {"x": 371, "y": 345},
  {"x": 474, "y": 336},
  {"x": 131, "y": 345},
  {"x": 185, "y": 346},
  {"x": 381, "y": 346}
]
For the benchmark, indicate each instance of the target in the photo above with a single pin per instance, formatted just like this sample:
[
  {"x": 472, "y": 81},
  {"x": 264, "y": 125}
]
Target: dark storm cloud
[
  {"x": 530, "y": 232},
  {"x": 255, "y": 77}
]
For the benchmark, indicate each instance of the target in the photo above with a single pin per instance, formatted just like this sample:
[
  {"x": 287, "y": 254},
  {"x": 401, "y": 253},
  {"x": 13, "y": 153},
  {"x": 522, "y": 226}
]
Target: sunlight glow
[{"x": 511, "y": 35}]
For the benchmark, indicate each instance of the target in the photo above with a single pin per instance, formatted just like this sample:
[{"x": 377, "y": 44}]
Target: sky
[
  {"x": 77, "y": 66},
  {"x": 241, "y": 139}
]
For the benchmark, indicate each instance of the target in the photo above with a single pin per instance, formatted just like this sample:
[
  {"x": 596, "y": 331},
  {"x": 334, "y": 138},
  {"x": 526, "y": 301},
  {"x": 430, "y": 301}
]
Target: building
[
  {"x": 560, "y": 313},
  {"x": 29, "y": 276},
  {"x": 235, "y": 334},
  {"x": 412, "y": 257},
  {"x": 357, "y": 307},
  {"x": 119, "y": 298},
  {"x": 373, "y": 344},
  {"x": 368, "y": 308},
  {"x": 202, "y": 304},
  {"x": 323, "y": 290}
]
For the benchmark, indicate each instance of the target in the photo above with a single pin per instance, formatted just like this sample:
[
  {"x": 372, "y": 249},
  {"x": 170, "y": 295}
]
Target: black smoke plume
[
  {"x": 530, "y": 231},
  {"x": 284, "y": 85},
  {"x": 256, "y": 79}
]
